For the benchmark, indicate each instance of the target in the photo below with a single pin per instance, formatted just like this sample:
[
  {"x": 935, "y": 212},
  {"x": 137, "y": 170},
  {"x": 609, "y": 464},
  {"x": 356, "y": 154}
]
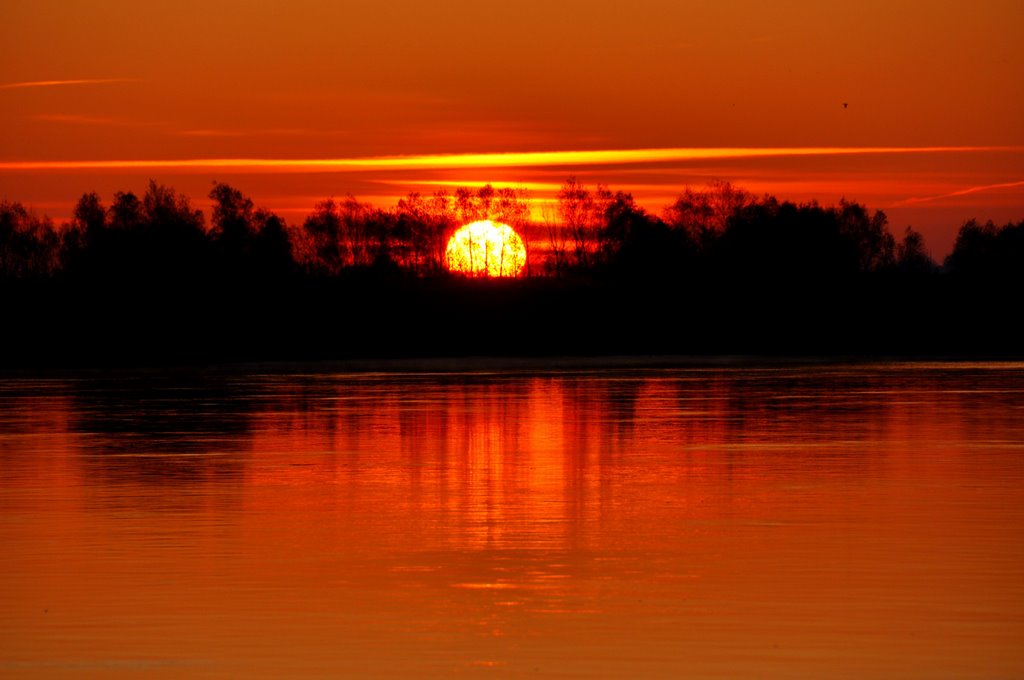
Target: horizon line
[{"x": 488, "y": 160}]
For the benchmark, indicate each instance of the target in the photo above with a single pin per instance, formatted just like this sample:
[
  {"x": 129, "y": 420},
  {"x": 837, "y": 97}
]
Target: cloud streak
[
  {"x": 73, "y": 119},
  {"x": 961, "y": 192},
  {"x": 61, "y": 83},
  {"x": 214, "y": 132},
  {"x": 610, "y": 157}
]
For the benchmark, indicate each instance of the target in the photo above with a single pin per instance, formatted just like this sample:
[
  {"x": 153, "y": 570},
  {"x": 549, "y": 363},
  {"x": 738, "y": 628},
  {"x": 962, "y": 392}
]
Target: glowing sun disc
[{"x": 485, "y": 248}]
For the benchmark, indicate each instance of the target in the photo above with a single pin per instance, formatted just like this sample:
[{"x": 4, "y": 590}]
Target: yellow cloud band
[{"x": 483, "y": 160}]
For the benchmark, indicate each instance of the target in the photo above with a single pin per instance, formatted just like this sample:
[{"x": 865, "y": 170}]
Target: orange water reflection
[{"x": 859, "y": 521}]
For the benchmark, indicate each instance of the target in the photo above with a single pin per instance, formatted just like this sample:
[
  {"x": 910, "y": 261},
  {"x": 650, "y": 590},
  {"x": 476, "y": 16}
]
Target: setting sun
[{"x": 486, "y": 248}]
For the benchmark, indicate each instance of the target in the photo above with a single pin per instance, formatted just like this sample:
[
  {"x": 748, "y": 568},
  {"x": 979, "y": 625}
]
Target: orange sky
[{"x": 111, "y": 80}]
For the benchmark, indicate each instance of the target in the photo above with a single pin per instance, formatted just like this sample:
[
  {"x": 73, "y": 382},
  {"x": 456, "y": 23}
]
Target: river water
[{"x": 775, "y": 522}]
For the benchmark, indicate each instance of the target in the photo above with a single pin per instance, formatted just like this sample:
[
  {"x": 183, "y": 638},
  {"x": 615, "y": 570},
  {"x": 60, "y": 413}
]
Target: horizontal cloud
[
  {"x": 58, "y": 83},
  {"x": 482, "y": 160},
  {"x": 214, "y": 132},
  {"x": 73, "y": 118},
  {"x": 962, "y": 192}
]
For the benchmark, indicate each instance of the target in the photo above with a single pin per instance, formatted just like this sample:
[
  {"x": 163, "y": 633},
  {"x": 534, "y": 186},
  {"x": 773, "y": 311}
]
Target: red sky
[{"x": 136, "y": 85}]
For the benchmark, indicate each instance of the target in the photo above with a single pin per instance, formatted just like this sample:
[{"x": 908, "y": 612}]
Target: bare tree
[
  {"x": 322, "y": 244},
  {"x": 558, "y": 244},
  {"x": 29, "y": 245},
  {"x": 704, "y": 214},
  {"x": 576, "y": 207}
]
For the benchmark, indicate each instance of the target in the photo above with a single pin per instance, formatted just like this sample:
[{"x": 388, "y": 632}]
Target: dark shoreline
[
  {"x": 521, "y": 323},
  {"x": 483, "y": 365}
]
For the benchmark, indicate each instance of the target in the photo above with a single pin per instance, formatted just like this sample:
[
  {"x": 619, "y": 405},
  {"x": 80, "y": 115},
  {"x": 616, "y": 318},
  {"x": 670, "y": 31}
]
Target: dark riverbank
[{"x": 55, "y": 324}]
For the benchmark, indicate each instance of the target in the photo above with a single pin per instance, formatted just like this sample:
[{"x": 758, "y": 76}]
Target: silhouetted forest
[{"x": 150, "y": 279}]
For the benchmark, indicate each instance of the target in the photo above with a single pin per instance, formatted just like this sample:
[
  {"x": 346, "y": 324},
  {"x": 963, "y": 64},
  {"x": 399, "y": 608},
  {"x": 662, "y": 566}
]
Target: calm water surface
[{"x": 842, "y": 521}]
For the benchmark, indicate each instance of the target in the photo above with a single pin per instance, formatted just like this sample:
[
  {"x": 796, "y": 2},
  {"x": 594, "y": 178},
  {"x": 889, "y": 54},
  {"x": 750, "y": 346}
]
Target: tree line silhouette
[{"x": 150, "y": 278}]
